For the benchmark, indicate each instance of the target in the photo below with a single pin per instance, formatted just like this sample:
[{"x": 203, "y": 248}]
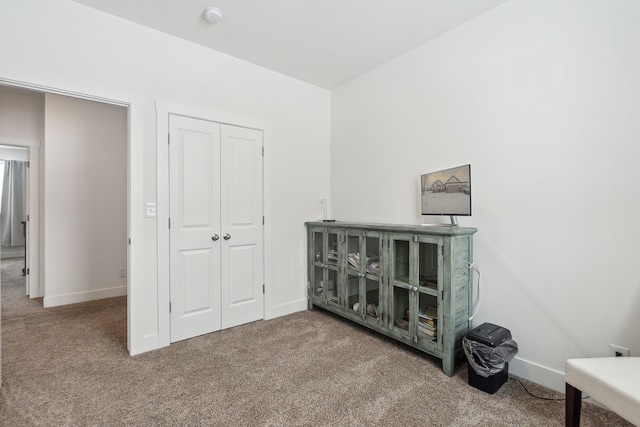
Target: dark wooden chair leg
[{"x": 573, "y": 403}]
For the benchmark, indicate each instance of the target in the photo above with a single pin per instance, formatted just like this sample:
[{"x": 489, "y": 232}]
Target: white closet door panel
[
  {"x": 194, "y": 153},
  {"x": 241, "y": 222}
]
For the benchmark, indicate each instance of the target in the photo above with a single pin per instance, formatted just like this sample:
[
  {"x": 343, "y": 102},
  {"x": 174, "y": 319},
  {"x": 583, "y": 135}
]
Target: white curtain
[{"x": 14, "y": 203}]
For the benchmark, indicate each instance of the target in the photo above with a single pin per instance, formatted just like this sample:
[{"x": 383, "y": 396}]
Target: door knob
[
  {"x": 215, "y": 237},
  {"x": 226, "y": 236}
]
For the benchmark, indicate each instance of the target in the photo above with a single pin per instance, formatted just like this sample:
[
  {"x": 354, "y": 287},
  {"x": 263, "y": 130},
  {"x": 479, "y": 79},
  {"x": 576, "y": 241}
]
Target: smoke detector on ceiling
[{"x": 212, "y": 14}]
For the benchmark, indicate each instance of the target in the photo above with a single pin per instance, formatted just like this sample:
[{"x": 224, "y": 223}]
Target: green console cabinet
[{"x": 412, "y": 283}]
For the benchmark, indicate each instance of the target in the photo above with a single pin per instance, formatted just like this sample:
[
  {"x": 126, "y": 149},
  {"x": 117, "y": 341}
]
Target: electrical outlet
[{"x": 617, "y": 351}]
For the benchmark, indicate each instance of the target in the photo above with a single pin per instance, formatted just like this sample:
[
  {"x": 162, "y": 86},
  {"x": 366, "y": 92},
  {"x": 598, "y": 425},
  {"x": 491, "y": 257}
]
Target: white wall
[
  {"x": 542, "y": 98},
  {"x": 67, "y": 46},
  {"x": 85, "y": 203},
  {"x": 21, "y": 114}
]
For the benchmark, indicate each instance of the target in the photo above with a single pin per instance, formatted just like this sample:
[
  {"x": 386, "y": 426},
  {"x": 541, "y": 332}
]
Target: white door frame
[
  {"x": 163, "y": 109},
  {"x": 36, "y": 287},
  {"x": 137, "y": 301}
]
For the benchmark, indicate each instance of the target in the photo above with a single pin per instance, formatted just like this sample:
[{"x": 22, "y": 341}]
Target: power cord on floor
[{"x": 539, "y": 397}]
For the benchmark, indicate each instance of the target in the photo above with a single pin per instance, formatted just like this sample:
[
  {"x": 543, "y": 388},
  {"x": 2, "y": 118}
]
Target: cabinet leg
[
  {"x": 310, "y": 305},
  {"x": 448, "y": 365}
]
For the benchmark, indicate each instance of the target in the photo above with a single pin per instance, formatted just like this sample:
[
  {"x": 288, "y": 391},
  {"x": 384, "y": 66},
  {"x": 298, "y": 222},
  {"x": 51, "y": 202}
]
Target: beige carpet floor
[{"x": 68, "y": 366}]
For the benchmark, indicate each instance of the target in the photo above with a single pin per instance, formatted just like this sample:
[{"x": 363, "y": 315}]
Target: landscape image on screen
[{"x": 447, "y": 192}]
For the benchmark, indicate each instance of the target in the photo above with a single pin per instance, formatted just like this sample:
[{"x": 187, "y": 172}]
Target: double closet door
[{"x": 216, "y": 226}]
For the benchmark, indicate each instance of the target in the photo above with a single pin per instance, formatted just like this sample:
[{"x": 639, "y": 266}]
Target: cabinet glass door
[
  {"x": 372, "y": 289},
  {"x": 354, "y": 269},
  {"x": 332, "y": 285},
  {"x": 324, "y": 273},
  {"x": 416, "y": 283},
  {"x": 402, "y": 287},
  {"x": 429, "y": 260},
  {"x": 316, "y": 273},
  {"x": 363, "y": 275}
]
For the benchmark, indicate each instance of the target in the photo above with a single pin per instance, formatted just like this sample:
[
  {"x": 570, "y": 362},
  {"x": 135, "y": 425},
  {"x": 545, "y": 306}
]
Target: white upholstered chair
[{"x": 612, "y": 381}]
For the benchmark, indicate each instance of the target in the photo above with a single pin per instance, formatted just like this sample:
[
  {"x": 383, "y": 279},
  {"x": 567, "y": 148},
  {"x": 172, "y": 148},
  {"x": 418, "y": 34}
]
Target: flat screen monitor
[{"x": 447, "y": 192}]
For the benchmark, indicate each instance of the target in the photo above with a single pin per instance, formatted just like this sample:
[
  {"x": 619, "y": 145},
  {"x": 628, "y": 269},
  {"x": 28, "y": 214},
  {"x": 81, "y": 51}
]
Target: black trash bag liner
[{"x": 486, "y": 360}]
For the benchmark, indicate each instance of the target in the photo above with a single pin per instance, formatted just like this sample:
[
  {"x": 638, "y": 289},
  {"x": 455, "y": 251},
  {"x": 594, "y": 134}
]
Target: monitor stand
[{"x": 454, "y": 223}]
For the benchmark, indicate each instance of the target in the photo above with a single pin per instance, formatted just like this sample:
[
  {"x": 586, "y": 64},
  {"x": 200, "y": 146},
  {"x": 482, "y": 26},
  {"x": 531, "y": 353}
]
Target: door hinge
[
  {"x": 169, "y": 306},
  {"x": 169, "y": 138},
  {"x": 28, "y": 216},
  {"x": 263, "y": 289},
  {"x": 129, "y": 240},
  {"x": 169, "y": 222},
  {"x": 262, "y": 151},
  {"x": 28, "y": 271},
  {"x": 263, "y": 220},
  {"x": 28, "y": 164}
]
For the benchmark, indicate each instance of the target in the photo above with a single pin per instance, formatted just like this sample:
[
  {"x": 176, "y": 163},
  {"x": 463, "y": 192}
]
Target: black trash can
[{"x": 489, "y": 349}]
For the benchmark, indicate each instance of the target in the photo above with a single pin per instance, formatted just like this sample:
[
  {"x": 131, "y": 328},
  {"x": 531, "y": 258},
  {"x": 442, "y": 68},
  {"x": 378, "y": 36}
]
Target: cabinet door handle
[
  {"x": 226, "y": 236},
  {"x": 215, "y": 237}
]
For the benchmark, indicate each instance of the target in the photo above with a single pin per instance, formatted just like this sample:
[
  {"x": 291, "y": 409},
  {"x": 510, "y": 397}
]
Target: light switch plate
[{"x": 150, "y": 211}]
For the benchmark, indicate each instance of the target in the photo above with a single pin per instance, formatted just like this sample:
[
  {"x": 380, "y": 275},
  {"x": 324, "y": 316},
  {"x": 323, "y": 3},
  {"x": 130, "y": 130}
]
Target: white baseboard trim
[
  {"x": 538, "y": 374},
  {"x": 56, "y": 300},
  {"x": 285, "y": 309}
]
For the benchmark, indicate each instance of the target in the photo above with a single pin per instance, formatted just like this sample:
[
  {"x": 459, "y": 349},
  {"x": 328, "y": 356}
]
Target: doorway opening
[
  {"x": 19, "y": 208},
  {"x": 13, "y": 211},
  {"x": 86, "y": 191}
]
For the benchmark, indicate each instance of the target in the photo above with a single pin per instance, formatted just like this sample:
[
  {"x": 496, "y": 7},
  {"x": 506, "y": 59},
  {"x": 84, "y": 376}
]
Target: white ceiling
[{"x": 323, "y": 42}]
